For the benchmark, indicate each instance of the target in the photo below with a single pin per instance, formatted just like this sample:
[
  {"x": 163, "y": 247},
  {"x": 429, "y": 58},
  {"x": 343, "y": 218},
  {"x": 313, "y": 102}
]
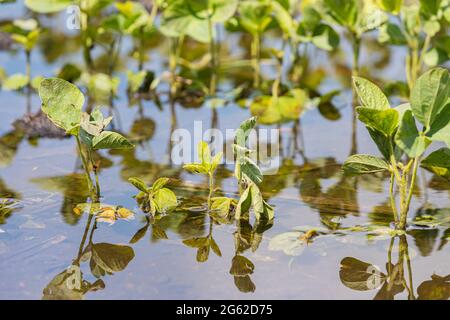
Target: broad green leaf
[
  {"x": 385, "y": 121},
  {"x": 440, "y": 130},
  {"x": 363, "y": 163},
  {"x": 370, "y": 95},
  {"x": 251, "y": 170},
  {"x": 49, "y": 6},
  {"x": 283, "y": 18},
  {"x": 61, "y": 102},
  {"x": 274, "y": 110},
  {"x": 429, "y": 95},
  {"x": 160, "y": 183},
  {"x": 430, "y": 7},
  {"x": 438, "y": 162},
  {"x": 344, "y": 12},
  {"x": 139, "y": 184},
  {"x": 111, "y": 140},
  {"x": 223, "y": 205},
  {"x": 15, "y": 82},
  {"x": 408, "y": 137},
  {"x": 165, "y": 199},
  {"x": 244, "y": 203},
  {"x": 392, "y": 34}
]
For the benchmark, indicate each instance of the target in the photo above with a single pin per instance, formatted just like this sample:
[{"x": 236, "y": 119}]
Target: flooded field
[{"x": 332, "y": 235}]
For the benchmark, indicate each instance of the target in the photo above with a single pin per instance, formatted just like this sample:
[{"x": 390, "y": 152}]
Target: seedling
[
  {"x": 62, "y": 102},
  {"x": 249, "y": 176},
  {"x": 208, "y": 165},
  {"x": 155, "y": 199},
  {"x": 399, "y": 140}
]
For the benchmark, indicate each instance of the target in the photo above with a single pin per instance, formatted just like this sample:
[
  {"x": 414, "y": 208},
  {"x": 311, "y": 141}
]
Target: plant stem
[
  {"x": 211, "y": 189},
  {"x": 84, "y": 22},
  {"x": 28, "y": 74},
  {"x": 255, "y": 52},
  {"x": 392, "y": 197},
  {"x": 356, "y": 46},
  {"x": 407, "y": 200},
  {"x": 85, "y": 164}
]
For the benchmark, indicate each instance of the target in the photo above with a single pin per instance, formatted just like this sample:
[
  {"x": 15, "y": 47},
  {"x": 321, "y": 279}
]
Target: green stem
[
  {"x": 356, "y": 46},
  {"x": 211, "y": 189},
  {"x": 255, "y": 52},
  {"x": 83, "y": 240},
  {"x": 85, "y": 164},
  {"x": 392, "y": 197},
  {"x": 407, "y": 200}
]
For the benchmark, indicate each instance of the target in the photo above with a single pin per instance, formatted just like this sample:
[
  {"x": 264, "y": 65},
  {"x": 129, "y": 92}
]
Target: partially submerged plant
[
  {"x": 62, "y": 102},
  {"x": 207, "y": 166},
  {"x": 249, "y": 176},
  {"x": 154, "y": 199},
  {"x": 397, "y": 137}
]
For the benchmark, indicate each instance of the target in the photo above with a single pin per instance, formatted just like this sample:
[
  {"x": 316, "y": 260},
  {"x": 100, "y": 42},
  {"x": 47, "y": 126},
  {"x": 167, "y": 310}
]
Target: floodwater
[{"x": 47, "y": 250}]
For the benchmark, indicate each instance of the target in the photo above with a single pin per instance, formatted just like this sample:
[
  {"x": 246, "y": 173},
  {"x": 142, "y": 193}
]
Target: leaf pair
[
  {"x": 252, "y": 198},
  {"x": 208, "y": 164},
  {"x": 157, "y": 197},
  {"x": 62, "y": 102},
  {"x": 396, "y": 129},
  {"x": 203, "y": 246}
]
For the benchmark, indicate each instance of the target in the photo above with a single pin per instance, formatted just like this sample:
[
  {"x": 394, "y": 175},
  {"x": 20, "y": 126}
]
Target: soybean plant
[
  {"x": 208, "y": 165},
  {"x": 249, "y": 176},
  {"x": 399, "y": 140},
  {"x": 62, "y": 102},
  {"x": 157, "y": 198}
]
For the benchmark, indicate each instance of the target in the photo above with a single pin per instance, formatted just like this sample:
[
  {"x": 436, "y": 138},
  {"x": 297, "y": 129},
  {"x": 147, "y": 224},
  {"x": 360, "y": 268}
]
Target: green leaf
[
  {"x": 223, "y": 205},
  {"x": 15, "y": 82},
  {"x": 195, "y": 168},
  {"x": 438, "y": 162},
  {"x": 244, "y": 130},
  {"x": 160, "y": 183},
  {"x": 244, "y": 203},
  {"x": 429, "y": 95},
  {"x": 440, "y": 130},
  {"x": 385, "y": 121},
  {"x": 392, "y": 34},
  {"x": 61, "y": 102},
  {"x": 48, "y": 6},
  {"x": 408, "y": 137},
  {"x": 216, "y": 161},
  {"x": 344, "y": 12},
  {"x": 165, "y": 199},
  {"x": 204, "y": 154},
  {"x": 139, "y": 184},
  {"x": 370, "y": 95},
  {"x": 324, "y": 37},
  {"x": 363, "y": 163},
  {"x": 111, "y": 140},
  {"x": 254, "y": 16},
  {"x": 251, "y": 170},
  {"x": 392, "y": 6}
]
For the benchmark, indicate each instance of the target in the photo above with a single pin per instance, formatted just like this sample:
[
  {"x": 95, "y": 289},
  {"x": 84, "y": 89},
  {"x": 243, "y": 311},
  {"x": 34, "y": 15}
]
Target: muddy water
[{"x": 49, "y": 251}]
